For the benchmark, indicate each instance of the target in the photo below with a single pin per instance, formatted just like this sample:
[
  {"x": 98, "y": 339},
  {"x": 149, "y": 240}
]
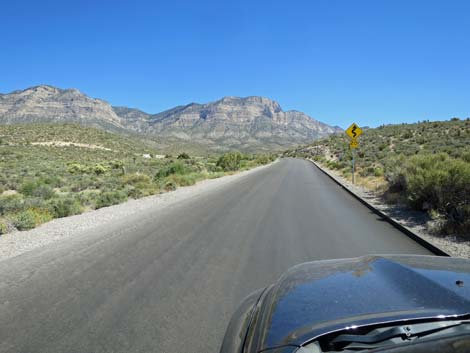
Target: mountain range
[{"x": 249, "y": 124}]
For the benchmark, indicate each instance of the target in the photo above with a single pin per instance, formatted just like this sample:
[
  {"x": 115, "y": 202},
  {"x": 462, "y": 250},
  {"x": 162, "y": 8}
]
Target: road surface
[{"x": 169, "y": 282}]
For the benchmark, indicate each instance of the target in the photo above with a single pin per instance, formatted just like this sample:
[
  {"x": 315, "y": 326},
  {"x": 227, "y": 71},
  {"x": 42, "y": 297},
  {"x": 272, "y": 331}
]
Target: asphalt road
[{"x": 169, "y": 282}]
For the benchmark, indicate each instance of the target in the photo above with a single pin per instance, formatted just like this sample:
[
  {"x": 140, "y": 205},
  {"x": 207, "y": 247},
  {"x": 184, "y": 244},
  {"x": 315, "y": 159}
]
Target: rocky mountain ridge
[{"x": 250, "y": 123}]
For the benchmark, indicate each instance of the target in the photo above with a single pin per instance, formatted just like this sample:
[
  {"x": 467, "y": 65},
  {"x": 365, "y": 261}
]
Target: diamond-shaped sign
[{"x": 353, "y": 131}]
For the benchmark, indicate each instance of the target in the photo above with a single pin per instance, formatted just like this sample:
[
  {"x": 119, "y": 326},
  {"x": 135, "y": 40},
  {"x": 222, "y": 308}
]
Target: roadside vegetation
[
  {"x": 50, "y": 171},
  {"x": 424, "y": 165}
]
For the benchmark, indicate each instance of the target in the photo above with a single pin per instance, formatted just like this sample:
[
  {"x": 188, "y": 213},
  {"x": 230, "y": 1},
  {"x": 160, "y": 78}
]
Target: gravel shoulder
[
  {"x": 18, "y": 242},
  {"x": 415, "y": 221}
]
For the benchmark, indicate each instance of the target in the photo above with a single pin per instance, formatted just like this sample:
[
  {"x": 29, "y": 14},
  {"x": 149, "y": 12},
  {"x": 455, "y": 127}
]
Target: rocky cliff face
[
  {"x": 254, "y": 123},
  {"x": 239, "y": 122},
  {"x": 50, "y": 104}
]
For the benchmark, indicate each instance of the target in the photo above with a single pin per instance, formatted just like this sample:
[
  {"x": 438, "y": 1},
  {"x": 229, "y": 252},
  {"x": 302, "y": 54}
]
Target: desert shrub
[
  {"x": 77, "y": 168},
  {"x": 52, "y": 181},
  {"x": 135, "y": 178},
  {"x": 138, "y": 185},
  {"x": 215, "y": 175},
  {"x": 334, "y": 164},
  {"x": 378, "y": 172},
  {"x": 108, "y": 198},
  {"x": 87, "y": 197},
  {"x": 24, "y": 220},
  {"x": 99, "y": 169},
  {"x": 183, "y": 180},
  {"x": 230, "y": 161},
  {"x": 80, "y": 183},
  {"x": 187, "y": 179},
  {"x": 3, "y": 227},
  {"x": 183, "y": 155},
  {"x": 30, "y": 218},
  {"x": 116, "y": 164},
  {"x": 465, "y": 156},
  {"x": 11, "y": 204},
  {"x": 263, "y": 159},
  {"x": 34, "y": 203},
  {"x": 65, "y": 206},
  {"x": 407, "y": 135},
  {"x": 42, "y": 215},
  {"x": 214, "y": 168},
  {"x": 43, "y": 191},
  {"x": 172, "y": 168},
  {"x": 133, "y": 192},
  {"x": 28, "y": 187},
  {"x": 440, "y": 183},
  {"x": 383, "y": 146},
  {"x": 244, "y": 164},
  {"x": 169, "y": 185}
]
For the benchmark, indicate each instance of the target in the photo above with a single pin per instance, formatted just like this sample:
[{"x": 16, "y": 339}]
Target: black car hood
[{"x": 315, "y": 298}]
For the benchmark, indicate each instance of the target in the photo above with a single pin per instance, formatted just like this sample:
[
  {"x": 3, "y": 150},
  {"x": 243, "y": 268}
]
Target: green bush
[
  {"x": 11, "y": 204},
  {"x": 3, "y": 227},
  {"x": 108, "y": 198},
  {"x": 135, "y": 178},
  {"x": 169, "y": 185},
  {"x": 116, "y": 164},
  {"x": 264, "y": 159},
  {"x": 215, "y": 175},
  {"x": 437, "y": 182},
  {"x": 99, "y": 169},
  {"x": 173, "y": 168},
  {"x": 183, "y": 155},
  {"x": 44, "y": 191},
  {"x": 28, "y": 187},
  {"x": 230, "y": 161},
  {"x": 334, "y": 164},
  {"x": 76, "y": 168},
  {"x": 30, "y": 218},
  {"x": 185, "y": 180},
  {"x": 24, "y": 220},
  {"x": 65, "y": 206},
  {"x": 134, "y": 192},
  {"x": 466, "y": 156},
  {"x": 53, "y": 181},
  {"x": 378, "y": 172}
]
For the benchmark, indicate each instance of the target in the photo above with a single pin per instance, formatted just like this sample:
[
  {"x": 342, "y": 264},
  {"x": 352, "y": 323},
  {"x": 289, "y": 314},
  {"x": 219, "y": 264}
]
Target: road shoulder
[{"x": 411, "y": 222}]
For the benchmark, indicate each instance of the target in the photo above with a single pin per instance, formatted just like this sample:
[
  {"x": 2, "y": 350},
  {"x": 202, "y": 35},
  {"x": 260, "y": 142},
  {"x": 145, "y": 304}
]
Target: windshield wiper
[{"x": 403, "y": 331}]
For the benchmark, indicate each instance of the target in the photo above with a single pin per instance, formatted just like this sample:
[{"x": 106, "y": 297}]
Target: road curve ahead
[{"x": 169, "y": 282}]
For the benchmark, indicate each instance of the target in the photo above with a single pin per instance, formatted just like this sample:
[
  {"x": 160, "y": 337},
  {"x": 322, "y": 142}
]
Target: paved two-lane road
[{"x": 168, "y": 282}]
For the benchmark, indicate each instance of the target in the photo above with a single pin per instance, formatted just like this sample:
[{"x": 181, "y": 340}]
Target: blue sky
[{"x": 368, "y": 61}]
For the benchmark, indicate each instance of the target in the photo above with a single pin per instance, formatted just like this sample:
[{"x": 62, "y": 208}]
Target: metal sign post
[
  {"x": 353, "y": 166},
  {"x": 353, "y": 132}
]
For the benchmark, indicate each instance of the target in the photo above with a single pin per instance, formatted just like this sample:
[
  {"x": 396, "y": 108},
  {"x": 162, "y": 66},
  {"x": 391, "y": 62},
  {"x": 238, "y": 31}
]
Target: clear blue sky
[{"x": 368, "y": 61}]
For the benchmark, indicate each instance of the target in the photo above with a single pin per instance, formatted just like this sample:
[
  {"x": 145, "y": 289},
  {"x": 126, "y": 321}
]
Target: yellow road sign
[
  {"x": 354, "y": 143},
  {"x": 353, "y": 131}
]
